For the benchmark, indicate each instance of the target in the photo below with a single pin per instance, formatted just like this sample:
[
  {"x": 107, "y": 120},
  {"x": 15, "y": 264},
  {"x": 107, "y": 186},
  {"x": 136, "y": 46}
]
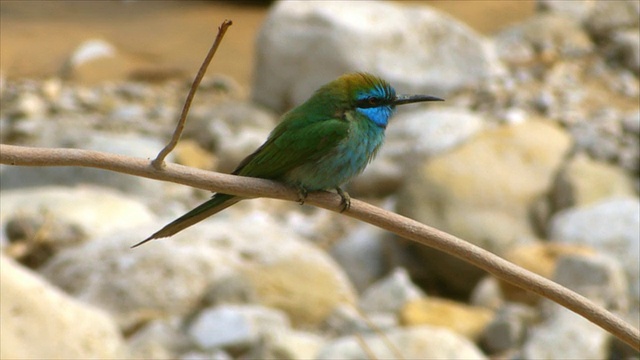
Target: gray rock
[
  {"x": 419, "y": 342},
  {"x": 550, "y": 36},
  {"x": 161, "y": 279},
  {"x": 482, "y": 192},
  {"x": 600, "y": 278},
  {"x": 303, "y": 45},
  {"x": 235, "y": 326},
  {"x": 287, "y": 344},
  {"x": 93, "y": 211},
  {"x": 583, "y": 181},
  {"x": 39, "y": 321},
  {"x": 362, "y": 255},
  {"x": 627, "y": 44},
  {"x": 508, "y": 328},
  {"x": 576, "y": 9},
  {"x": 347, "y": 320},
  {"x": 413, "y": 136},
  {"x": 612, "y": 227},
  {"x": 14, "y": 177},
  {"x": 565, "y": 335},
  {"x": 159, "y": 339},
  {"x": 391, "y": 293},
  {"x": 606, "y": 17},
  {"x": 233, "y": 130}
]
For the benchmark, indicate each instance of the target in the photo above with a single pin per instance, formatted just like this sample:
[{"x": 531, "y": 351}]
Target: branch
[
  {"x": 402, "y": 226},
  {"x": 158, "y": 162}
]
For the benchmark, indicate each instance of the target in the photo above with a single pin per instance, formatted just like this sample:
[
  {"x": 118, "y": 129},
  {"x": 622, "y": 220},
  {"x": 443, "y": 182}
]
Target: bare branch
[
  {"x": 402, "y": 226},
  {"x": 158, "y": 162}
]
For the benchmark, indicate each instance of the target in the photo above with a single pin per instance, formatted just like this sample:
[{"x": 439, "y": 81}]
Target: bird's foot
[
  {"x": 346, "y": 199},
  {"x": 302, "y": 195}
]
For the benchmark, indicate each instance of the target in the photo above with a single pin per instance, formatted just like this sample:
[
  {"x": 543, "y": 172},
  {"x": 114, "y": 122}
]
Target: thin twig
[
  {"x": 158, "y": 162},
  {"x": 402, "y": 226}
]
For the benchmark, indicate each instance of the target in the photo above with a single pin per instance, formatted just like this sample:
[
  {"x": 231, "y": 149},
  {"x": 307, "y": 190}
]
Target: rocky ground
[{"x": 533, "y": 156}]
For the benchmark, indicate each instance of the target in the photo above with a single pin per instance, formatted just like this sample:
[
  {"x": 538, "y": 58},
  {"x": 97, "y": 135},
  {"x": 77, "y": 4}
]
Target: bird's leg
[
  {"x": 346, "y": 199},
  {"x": 302, "y": 195}
]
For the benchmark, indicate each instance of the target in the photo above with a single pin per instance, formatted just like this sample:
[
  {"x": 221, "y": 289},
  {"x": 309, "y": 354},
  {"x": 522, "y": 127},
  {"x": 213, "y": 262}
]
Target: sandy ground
[{"x": 170, "y": 37}]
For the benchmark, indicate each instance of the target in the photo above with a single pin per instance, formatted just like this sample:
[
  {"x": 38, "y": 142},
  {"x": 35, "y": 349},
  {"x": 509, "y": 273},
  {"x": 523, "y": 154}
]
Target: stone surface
[
  {"x": 583, "y": 181},
  {"x": 420, "y": 342},
  {"x": 468, "y": 321},
  {"x": 235, "y": 326},
  {"x": 415, "y": 134},
  {"x": 390, "y": 294},
  {"x": 95, "y": 211},
  {"x": 610, "y": 226},
  {"x": 302, "y": 45},
  {"x": 39, "y": 321},
  {"x": 361, "y": 255},
  {"x": 565, "y": 335},
  {"x": 507, "y": 329},
  {"x": 545, "y": 37},
  {"x": 541, "y": 258},
  {"x": 347, "y": 320},
  {"x": 482, "y": 192}
]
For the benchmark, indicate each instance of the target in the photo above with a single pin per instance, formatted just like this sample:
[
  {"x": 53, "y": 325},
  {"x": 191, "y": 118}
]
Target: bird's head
[{"x": 366, "y": 94}]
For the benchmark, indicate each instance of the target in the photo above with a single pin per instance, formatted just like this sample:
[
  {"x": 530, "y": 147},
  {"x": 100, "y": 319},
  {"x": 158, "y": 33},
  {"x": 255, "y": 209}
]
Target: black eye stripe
[{"x": 371, "y": 101}]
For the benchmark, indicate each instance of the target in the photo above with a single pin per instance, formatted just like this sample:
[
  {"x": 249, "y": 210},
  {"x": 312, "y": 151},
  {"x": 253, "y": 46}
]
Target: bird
[{"x": 318, "y": 145}]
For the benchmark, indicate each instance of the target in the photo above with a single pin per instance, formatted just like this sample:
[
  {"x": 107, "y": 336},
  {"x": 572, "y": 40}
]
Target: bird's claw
[{"x": 345, "y": 199}]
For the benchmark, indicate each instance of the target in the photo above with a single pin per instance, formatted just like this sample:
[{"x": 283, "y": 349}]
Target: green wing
[{"x": 295, "y": 141}]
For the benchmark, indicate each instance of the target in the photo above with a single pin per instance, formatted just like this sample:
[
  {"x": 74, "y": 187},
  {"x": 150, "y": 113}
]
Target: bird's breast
[{"x": 345, "y": 161}]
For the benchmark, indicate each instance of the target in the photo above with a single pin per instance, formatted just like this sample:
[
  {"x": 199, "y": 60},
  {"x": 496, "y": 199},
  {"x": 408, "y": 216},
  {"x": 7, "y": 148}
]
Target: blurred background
[{"x": 534, "y": 156}]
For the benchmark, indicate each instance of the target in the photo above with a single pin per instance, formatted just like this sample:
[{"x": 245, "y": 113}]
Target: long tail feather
[{"x": 216, "y": 204}]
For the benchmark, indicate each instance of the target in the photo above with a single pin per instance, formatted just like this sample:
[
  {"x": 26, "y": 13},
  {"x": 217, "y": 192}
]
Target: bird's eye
[{"x": 373, "y": 101}]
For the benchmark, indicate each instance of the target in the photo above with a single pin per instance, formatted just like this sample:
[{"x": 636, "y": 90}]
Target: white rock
[
  {"x": 565, "y": 335},
  {"x": 235, "y": 326},
  {"x": 97, "y": 211},
  {"x": 391, "y": 293},
  {"x": 39, "y": 321},
  {"x": 612, "y": 227},
  {"x": 304, "y": 44},
  {"x": 420, "y": 342},
  {"x": 91, "y": 50},
  {"x": 362, "y": 255}
]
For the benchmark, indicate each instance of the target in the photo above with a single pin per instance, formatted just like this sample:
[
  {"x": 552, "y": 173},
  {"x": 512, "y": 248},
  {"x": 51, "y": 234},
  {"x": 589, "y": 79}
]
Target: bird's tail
[{"x": 216, "y": 204}]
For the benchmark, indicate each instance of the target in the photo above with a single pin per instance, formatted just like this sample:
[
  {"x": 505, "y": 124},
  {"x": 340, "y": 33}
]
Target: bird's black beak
[{"x": 408, "y": 99}]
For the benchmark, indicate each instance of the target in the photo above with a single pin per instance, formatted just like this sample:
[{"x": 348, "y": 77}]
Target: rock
[
  {"x": 468, "y": 321},
  {"x": 303, "y": 45},
  {"x": 170, "y": 277},
  {"x": 162, "y": 279},
  {"x": 39, "y": 321},
  {"x": 541, "y": 258},
  {"x": 159, "y": 339},
  {"x": 231, "y": 129},
  {"x": 189, "y": 153},
  {"x": 507, "y": 329},
  {"x": 14, "y": 177},
  {"x": 599, "y": 278},
  {"x": 419, "y": 342},
  {"x": 235, "y": 327},
  {"x": 347, "y": 320},
  {"x": 577, "y": 9},
  {"x": 583, "y": 181},
  {"x": 565, "y": 335},
  {"x": 627, "y": 44},
  {"x": 606, "y": 17},
  {"x": 487, "y": 294},
  {"x": 612, "y": 227},
  {"x": 546, "y": 38},
  {"x": 287, "y": 344},
  {"x": 413, "y": 136},
  {"x": 95, "y": 60},
  {"x": 362, "y": 255},
  {"x": 481, "y": 192},
  {"x": 93, "y": 211},
  {"x": 390, "y": 294}
]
